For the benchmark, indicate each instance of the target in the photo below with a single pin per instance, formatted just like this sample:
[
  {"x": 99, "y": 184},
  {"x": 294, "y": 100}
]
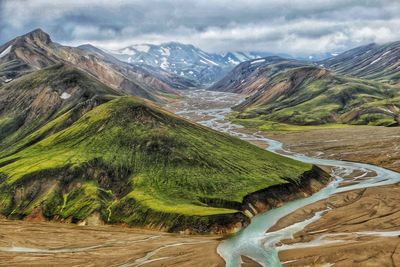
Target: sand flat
[{"x": 54, "y": 244}]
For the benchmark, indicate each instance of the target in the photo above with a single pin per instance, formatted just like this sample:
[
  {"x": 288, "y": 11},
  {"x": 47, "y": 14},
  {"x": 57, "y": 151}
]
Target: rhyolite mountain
[
  {"x": 298, "y": 92},
  {"x": 185, "y": 60},
  {"x": 35, "y": 50},
  {"x": 311, "y": 96},
  {"x": 30, "y": 102},
  {"x": 373, "y": 61},
  {"x": 74, "y": 149},
  {"x": 252, "y": 75}
]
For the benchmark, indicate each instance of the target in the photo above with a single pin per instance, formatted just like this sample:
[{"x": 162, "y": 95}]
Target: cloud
[{"x": 293, "y": 26}]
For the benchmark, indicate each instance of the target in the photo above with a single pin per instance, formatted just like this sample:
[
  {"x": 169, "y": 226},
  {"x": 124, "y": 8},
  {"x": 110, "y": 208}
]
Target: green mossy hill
[
  {"x": 314, "y": 96},
  {"x": 30, "y": 102},
  {"x": 134, "y": 163}
]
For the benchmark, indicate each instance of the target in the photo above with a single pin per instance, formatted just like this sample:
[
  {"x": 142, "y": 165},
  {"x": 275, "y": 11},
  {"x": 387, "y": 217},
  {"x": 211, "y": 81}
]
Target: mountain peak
[{"x": 37, "y": 35}]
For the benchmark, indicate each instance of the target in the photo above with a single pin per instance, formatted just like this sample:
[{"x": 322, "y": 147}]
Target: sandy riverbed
[
  {"x": 345, "y": 233},
  {"x": 53, "y": 244}
]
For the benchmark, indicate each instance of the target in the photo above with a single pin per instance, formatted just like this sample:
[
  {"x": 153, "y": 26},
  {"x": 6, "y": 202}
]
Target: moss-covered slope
[{"x": 131, "y": 162}]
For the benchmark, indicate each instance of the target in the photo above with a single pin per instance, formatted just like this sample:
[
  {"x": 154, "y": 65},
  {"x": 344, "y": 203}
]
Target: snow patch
[
  {"x": 209, "y": 61},
  {"x": 164, "y": 63},
  {"x": 232, "y": 61},
  {"x": 142, "y": 48},
  {"x": 257, "y": 61},
  {"x": 65, "y": 95},
  {"x": 128, "y": 51},
  {"x": 6, "y": 51},
  {"x": 376, "y": 60},
  {"x": 165, "y": 51},
  {"x": 241, "y": 56}
]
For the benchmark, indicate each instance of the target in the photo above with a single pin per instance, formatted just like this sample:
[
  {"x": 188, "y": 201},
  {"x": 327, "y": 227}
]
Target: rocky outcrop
[{"x": 275, "y": 196}]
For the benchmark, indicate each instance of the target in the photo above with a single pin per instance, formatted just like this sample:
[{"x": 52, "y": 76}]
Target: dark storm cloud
[{"x": 294, "y": 26}]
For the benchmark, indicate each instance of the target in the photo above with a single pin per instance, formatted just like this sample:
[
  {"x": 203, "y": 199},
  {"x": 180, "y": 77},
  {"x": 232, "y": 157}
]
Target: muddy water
[{"x": 255, "y": 242}]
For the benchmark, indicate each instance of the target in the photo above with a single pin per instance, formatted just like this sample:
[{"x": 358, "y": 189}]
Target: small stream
[{"x": 254, "y": 241}]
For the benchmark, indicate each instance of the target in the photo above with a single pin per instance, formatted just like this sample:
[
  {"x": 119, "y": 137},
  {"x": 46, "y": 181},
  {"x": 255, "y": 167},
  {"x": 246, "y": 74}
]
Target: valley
[
  {"x": 119, "y": 158},
  {"x": 332, "y": 235},
  {"x": 76, "y": 144},
  {"x": 209, "y": 109}
]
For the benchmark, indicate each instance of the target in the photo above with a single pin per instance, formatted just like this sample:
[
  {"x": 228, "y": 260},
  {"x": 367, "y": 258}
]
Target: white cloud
[{"x": 293, "y": 26}]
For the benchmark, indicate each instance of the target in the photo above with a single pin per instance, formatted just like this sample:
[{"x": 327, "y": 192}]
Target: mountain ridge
[
  {"x": 185, "y": 60},
  {"x": 305, "y": 93},
  {"x": 35, "y": 50},
  {"x": 372, "y": 61}
]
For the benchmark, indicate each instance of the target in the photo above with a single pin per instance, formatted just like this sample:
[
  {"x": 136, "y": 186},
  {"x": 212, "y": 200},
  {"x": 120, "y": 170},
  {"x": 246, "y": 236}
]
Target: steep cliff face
[{"x": 310, "y": 182}]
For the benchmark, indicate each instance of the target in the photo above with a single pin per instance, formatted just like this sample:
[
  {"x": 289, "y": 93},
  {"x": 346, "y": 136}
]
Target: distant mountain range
[
  {"x": 156, "y": 72},
  {"x": 184, "y": 60},
  {"x": 188, "y": 61},
  {"x": 360, "y": 86}
]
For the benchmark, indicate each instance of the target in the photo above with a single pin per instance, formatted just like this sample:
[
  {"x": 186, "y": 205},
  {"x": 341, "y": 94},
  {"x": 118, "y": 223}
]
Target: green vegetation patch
[{"x": 127, "y": 157}]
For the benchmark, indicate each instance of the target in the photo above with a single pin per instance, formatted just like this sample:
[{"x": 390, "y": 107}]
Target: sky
[{"x": 296, "y": 27}]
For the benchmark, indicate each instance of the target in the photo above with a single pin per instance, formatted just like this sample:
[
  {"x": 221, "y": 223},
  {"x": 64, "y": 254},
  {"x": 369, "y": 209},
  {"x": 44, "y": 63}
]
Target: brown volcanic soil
[
  {"x": 370, "y": 144},
  {"x": 72, "y": 245},
  {"x": 366, "y": 210}
]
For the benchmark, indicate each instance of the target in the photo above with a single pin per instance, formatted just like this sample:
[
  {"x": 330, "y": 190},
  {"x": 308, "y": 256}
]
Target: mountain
[
  {"x": 310, "y": 95},
  {"x": 184, "y": 60},
  {"x": 31, "y": 101},
  {"x": 35, "y": 50},
  {"x": 372, "y": 61},
  {"x": 250, "y": 76},
  {"x": 75, "y": 149},
  {"x": 175, "y": 81}
]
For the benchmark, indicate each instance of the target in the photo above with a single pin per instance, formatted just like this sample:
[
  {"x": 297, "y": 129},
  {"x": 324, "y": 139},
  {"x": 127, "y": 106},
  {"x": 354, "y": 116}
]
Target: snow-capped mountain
[{"x": 184, "y": 60}]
